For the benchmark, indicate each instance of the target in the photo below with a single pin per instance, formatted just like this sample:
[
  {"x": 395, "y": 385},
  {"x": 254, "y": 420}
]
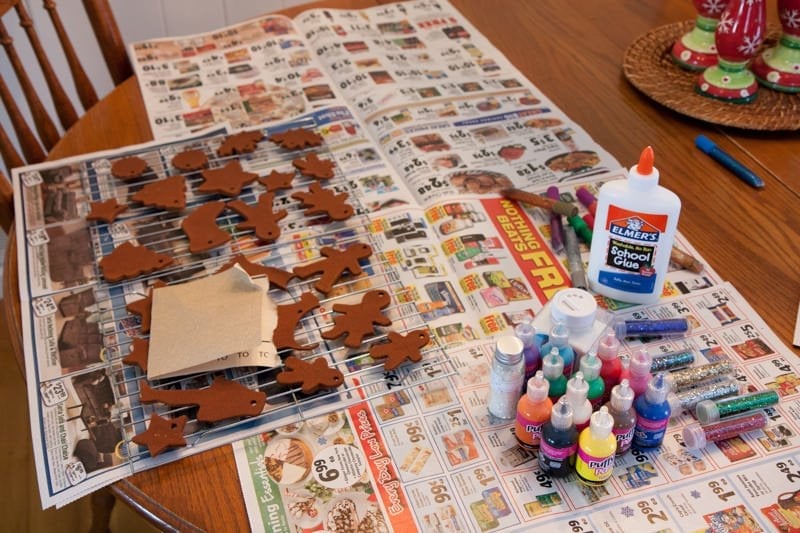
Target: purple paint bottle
[{"x": 530, "y": 350}]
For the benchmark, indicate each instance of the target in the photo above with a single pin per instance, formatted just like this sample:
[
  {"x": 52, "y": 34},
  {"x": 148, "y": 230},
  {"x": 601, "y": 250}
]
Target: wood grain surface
[{"x": 572, "y": 50}]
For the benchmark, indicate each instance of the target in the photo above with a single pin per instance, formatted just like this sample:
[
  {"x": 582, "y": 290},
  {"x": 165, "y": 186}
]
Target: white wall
[{"x": 137, "y": 19}]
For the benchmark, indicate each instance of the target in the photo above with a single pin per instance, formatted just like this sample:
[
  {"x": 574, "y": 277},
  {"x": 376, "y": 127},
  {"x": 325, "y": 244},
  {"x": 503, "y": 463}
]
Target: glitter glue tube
[
  {"x": 651, "y": 328},
  {"x": 556, "y": 224},
  {"x": 672, "y": 361},
  {"x": 693, "y": 376},
  {"x": 530, "y": 350},
  {"x": 696, "y": 436},
  {"x": 689, "y": 398},
  {"x": 608, "y": 353},
  {"x": 709, "y": 411},
  {"x": 652, "y": 414},
  {"x": 553, "y": 370}
]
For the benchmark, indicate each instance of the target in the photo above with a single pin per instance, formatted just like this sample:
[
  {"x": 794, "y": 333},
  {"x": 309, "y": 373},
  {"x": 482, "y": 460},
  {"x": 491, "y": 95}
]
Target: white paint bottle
[{"x": 634, "y": 229}]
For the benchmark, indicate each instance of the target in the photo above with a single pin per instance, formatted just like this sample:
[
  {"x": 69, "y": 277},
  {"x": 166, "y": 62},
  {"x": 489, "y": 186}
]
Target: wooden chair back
[
  {"x": 34, "y": 146},
  {"x": 6, "y": 203}
]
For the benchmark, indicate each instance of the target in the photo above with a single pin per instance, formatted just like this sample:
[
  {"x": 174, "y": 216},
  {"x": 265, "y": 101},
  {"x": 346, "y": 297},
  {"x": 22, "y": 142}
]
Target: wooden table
[{"x": 572, "y": 50}]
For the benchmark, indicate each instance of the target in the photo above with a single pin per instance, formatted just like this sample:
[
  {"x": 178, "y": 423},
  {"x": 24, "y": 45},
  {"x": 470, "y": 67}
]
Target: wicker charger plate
[{"x": 648, "y": 66}]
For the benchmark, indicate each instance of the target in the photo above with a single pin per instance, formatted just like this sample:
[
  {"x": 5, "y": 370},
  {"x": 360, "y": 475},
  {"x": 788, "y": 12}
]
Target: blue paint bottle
[
  {"x": 652, "y": 414},
  {"x": 559, "y": 338}
]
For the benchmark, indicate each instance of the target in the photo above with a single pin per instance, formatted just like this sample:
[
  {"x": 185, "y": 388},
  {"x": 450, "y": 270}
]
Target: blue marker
[{"x": 726, "y": 160}]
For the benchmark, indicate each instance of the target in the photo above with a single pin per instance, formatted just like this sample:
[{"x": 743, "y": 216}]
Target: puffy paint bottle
[
  {"x": 640, "y": 374},
  {"x": 559, "y": 338},
  {"x": 576, "y": 395},
  {"x": 652, "y": 414},
  {"x": 559, "y": 441},
  {"x": 620, "y": 407},
  {"x": 553, "y": 371},
  {"x": 608, "y": 353},
  {"x": 530, "y": 350},
  {"x": 590, "y": 366},
  {"x": 533, "y": 410},
  {"x": 597, "y": 445},
  {"x": 633, "y": 233}
]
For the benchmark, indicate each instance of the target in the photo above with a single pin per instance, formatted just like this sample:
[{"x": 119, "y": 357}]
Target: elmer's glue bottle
[
  {"x": 597, "y": 446},
  {"x": 633, "y": 233},
  {"x": 533, "y": 410}
]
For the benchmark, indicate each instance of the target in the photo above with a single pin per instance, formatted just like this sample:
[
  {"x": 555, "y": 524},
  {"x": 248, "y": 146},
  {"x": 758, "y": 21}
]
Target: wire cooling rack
[{"x": 299, "y": 243}]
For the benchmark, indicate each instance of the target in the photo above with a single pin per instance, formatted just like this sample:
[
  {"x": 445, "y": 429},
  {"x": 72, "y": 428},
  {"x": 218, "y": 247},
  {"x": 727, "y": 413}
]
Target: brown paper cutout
[
  {"x": 334, "y": 264},
  {"x": 222, "y": 400},
  {"x": 310, "y": 376},
  {"x": 356, "y": 320},
  {"x": 400, "y": 348},
  {"x": 260, "y": 218},
  {"x": 128, "y": 261},
  {"x": 201, "y": 228}
]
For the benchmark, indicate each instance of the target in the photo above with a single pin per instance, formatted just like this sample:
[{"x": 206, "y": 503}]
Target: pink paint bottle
[{"x": 641, "y": 361}]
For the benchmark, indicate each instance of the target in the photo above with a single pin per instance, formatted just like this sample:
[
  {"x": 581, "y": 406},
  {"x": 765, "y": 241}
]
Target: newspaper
[
  {"x": 422, "y": 160},
  {"x": 433, "y": 460}
]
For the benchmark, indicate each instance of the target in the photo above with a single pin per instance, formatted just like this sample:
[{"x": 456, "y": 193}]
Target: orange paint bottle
[{"x": 533, "y": 410}]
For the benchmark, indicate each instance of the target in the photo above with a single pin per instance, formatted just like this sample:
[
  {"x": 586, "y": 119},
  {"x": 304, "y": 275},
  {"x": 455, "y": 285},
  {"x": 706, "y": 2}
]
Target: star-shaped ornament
[
  {"x": 228, "y": 180},
  {"x": 162, "y": 433}
]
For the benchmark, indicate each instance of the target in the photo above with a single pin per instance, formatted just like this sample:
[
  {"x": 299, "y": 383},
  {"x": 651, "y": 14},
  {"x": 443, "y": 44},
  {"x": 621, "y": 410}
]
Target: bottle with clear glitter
[
  {"x": 687, "y": 399},
  {"x": 507, "y": 376},
  {"x": 696, "y": 375},
  {"x": 672, "y": 361}
]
